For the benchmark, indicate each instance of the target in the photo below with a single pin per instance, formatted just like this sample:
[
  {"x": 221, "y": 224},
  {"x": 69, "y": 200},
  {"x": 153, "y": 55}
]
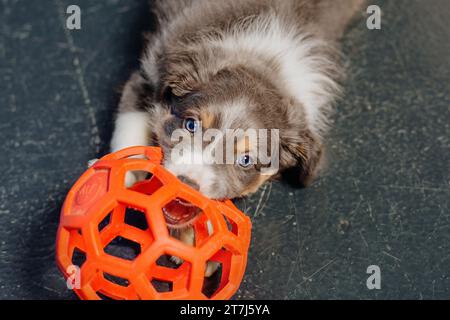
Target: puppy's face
[
  {"x": 230, "y": 135},
  {"x": 207, "y": 145}
]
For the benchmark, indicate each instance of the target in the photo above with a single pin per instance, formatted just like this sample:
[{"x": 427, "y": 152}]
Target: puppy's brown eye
[{"x": 245, "y": 161}]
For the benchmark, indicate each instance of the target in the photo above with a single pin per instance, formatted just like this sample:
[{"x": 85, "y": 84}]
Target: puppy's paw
[
  {"x": 176, "y": 260},
  {"x": 211, "y": 268}
]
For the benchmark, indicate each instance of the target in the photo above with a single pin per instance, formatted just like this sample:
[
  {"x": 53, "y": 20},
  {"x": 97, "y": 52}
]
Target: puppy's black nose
[{"x": 189, "y": 182}]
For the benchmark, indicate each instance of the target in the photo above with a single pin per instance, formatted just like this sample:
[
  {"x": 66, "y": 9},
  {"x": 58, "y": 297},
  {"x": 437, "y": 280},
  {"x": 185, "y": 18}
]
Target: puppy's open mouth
[{"x": 180, "y": 214}]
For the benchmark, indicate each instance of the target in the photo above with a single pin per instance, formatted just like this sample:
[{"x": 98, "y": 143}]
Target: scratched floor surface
[{"x": 384, "y": 200}]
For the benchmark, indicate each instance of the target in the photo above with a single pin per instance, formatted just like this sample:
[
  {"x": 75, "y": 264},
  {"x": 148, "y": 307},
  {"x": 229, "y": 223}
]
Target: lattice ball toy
[{"x": 119, "y": 237}]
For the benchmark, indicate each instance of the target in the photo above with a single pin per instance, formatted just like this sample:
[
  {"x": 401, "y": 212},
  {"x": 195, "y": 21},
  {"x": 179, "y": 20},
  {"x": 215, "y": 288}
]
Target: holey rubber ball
[{"x": 114, "y": 242}]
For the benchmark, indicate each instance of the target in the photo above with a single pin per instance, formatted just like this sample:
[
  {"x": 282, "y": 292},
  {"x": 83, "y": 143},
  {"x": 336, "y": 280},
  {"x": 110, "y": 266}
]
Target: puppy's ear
[
  {"x": 302, "y": 158},
  {"x": 177, "y": 88},
  {"x": 183, "y": 76}
]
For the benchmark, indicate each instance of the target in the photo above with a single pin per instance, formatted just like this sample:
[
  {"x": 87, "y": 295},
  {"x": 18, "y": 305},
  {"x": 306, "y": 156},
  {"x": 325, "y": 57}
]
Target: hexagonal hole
[
  {"x": 167, "y": 275},
  {"x": 162, "y": 286},
  {"x": 231, "y": 225},
  {"x": 186, "y": 235},
  {"x": 78, "y": 257},
  {"x": 104, "y": 223},
  {"x": 123, "y": 248},
  {"x": 180, "y": 213},
  {"x": 134, "y": 176},
  {"x": 136, "y": 219},
  {"x": 167, "y": 261},
  {"x": 142, "y": 182},
  {"x": 116, "y": 280},
  {"x": 211, "y": 283},
  {"x": 218, "y": 268}
]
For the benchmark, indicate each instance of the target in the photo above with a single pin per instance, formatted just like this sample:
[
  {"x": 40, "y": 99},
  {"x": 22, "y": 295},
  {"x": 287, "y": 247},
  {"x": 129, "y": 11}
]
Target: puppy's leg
[
  {"x": 211, "y": 266},
  {"x": 132, "y": 124},
  {"x": 131, "y": 130}
]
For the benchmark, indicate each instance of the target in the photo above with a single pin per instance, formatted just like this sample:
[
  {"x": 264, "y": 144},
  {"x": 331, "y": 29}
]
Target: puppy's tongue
[{"x": 179, "y": 214}]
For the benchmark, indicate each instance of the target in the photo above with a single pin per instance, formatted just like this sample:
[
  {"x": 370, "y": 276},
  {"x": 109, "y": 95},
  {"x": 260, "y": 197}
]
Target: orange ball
[{"x": 113, "y": 241}]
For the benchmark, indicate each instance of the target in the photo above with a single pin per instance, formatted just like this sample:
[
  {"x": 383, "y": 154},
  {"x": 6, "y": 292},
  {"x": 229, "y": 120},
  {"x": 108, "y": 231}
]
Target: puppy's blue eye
[
  {"x": 191, "y": 125},
  {"x": 245, "y": 161}
]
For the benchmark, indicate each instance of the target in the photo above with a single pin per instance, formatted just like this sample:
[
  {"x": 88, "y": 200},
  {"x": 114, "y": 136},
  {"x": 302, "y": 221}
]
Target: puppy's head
[{"x": 207, "y": 130}]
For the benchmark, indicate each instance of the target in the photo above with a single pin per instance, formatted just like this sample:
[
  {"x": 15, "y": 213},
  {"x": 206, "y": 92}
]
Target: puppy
[{"x": 236, "y": 64}]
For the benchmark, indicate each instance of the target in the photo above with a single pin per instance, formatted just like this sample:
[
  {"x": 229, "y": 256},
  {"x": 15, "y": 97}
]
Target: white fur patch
[
  {"x": 131, "y": 130},
  {"x": 199, "y": 172}
]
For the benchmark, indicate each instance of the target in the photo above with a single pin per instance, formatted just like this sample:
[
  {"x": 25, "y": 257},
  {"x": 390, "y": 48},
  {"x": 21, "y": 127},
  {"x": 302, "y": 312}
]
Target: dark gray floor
[{"x": 385, "y": 199}]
